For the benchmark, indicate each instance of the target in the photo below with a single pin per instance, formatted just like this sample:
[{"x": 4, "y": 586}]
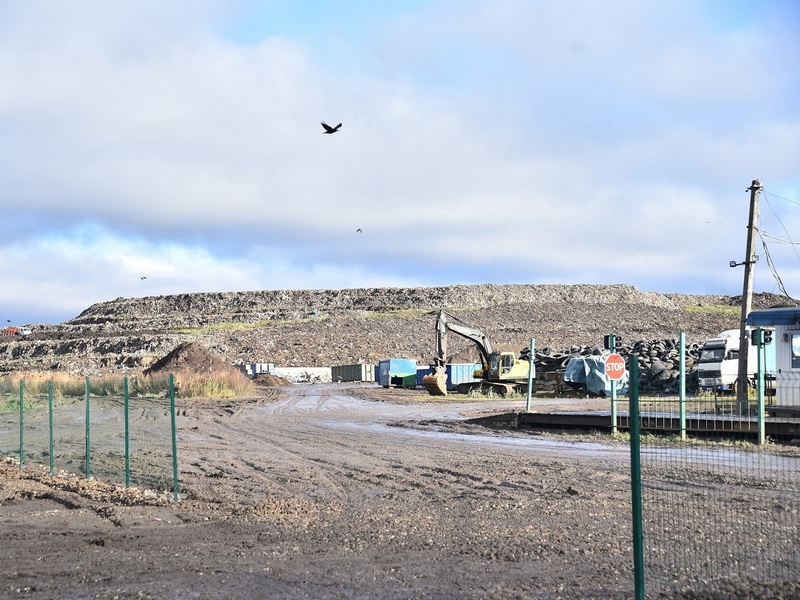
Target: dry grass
[
  {"x": 187, "y": 385},
  {"x": 214, "y": 385}
]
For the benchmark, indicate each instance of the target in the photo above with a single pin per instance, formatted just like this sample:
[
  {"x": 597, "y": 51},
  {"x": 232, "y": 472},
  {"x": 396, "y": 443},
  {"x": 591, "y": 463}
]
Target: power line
[
  {"x": 782, "y": 198},
  {"x": 775, "y": 272},
  {"x": 779, "y": 240},
  {"x": 788, "y": 237},
  {"x": 784, "y": 241}
]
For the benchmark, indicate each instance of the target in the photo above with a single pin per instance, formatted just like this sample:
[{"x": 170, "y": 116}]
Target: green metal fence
[
  {"x": 126, "y": 439},
  {"x": 718, "y": 512}
]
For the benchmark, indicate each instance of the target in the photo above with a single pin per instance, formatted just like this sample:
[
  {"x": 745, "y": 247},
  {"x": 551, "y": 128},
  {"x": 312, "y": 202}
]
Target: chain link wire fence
[
  {"x": 720, "y": 512},
  {"x": 65, "y": 428}
]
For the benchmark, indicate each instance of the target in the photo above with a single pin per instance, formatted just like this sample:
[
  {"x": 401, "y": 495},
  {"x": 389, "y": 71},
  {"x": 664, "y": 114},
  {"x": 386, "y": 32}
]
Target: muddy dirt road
[{"x": 328, "y": 492}]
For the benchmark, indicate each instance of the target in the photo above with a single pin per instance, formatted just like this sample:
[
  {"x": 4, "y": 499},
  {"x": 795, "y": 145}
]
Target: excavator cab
[
  {"x": 501, "y": 365},
  {"x": 507, "y": 361}
]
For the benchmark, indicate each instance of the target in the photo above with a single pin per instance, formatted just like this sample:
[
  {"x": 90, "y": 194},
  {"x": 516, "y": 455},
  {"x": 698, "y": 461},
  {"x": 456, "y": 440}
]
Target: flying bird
[
  {"x": 145, "y": 277},
  {"x": 329, "y": 129},
  {"x": 359, "y": 231}
]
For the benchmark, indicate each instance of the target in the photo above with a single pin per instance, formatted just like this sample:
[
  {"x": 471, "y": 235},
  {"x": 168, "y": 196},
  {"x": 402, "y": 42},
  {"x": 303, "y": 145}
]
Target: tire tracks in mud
[
  {"x": 314, "y": 485},
  {"x": 321, "y": 444}
]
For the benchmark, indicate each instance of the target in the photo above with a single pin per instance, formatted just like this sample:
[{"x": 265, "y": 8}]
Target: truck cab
[{"x": 718, "y": 368}]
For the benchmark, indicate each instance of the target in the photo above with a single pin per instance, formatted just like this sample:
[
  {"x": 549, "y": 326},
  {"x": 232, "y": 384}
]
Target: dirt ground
[{"x": 332, "y": 491}]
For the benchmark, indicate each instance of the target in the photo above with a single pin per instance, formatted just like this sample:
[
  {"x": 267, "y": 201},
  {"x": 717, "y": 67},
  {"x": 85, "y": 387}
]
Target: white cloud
[{"x": 481, "y": 142}]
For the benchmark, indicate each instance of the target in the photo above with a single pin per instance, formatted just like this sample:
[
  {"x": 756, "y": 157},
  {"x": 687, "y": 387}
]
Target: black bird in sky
[
  {"x": 359, "y": 231},
  {"x": 329, "y": 129}
]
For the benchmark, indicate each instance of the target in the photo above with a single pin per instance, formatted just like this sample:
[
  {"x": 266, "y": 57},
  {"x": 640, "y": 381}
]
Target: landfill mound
[{"x": 323, "y": 328}]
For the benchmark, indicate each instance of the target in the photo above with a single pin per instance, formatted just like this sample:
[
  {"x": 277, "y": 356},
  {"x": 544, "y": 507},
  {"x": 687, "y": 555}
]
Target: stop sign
[{"x": 615, "y": 367}]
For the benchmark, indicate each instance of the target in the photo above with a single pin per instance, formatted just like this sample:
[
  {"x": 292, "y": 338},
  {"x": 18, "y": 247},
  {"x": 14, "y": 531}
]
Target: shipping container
[
  {"x": 356, "y": 372},
  {"x": 255, "y": 369},
  {"x": 400, "y": 372},
  {"x": 456, "y": 373}
]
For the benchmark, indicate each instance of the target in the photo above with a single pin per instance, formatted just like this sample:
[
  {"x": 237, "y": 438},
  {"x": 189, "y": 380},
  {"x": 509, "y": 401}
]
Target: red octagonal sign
[{"x": 615, "y": 367}]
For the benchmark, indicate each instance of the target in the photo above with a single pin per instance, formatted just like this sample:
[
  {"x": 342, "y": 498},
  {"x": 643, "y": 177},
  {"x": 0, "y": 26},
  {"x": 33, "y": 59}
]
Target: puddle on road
[
  {"x": 341, "y": 411},
  {"x": 587, "y": 449},
  {"x": 448, "y": 422}
]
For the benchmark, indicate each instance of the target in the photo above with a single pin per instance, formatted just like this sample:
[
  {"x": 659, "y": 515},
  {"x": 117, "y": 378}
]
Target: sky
[{"x": 151, "y": 148}]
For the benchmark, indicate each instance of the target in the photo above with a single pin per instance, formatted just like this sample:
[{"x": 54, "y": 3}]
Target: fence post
[
  {"x": 88, "y": 432},
  {"x": 613, "y": 344},
  {"x": 175, "y": 494},
  {"x": 682, "y": 382},
  {"x": 21, "y": 423},
  {"x": 762, "y": 434},
  {"x": 531, "y": 368},
  {"x": 636, "y": 482},
  {"x": 127, "y": 434},
  {"x": 50, "y": 413}
]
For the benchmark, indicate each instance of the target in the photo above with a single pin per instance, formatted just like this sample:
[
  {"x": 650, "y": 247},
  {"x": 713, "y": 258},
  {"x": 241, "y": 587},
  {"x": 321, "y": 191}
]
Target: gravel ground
[{"x": 328, "y": 491}]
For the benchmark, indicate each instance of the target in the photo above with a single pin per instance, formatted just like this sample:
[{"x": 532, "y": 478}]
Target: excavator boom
[
  {"x": 436, "y": 382},
  {"x": 500, "y": 370}
]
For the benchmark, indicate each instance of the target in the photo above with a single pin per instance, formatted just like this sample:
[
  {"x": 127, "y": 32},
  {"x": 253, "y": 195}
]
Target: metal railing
[
  {"x": 121, "y": 439},
  {"x": 713, "y": 515}
]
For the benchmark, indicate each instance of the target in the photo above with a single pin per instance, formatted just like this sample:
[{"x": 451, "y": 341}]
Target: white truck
[{"x": 718, "y": 368}]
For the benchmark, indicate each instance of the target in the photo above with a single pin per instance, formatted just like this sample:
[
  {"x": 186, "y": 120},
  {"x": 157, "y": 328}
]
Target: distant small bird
[
  {"x": 329, "y": 129},
  {"x": 145, "y": 277},
  {"x": 359, "y": 231}
]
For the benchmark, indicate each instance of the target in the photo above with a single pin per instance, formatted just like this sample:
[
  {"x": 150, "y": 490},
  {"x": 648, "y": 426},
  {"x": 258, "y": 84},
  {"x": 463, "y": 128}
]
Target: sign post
[
  {"x": 615, "y": 369},
  {"x": 615, "y": 366}
]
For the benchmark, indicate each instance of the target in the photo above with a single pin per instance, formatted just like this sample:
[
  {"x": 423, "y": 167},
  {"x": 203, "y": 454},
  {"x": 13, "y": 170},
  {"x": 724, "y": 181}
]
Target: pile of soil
[
  {"x": 193, "y": 358},
  {"x": 271, "y": 381}
]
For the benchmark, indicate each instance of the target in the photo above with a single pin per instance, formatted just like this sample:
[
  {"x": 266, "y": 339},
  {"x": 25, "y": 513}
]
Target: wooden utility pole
[{"x": 747, "y": 294}]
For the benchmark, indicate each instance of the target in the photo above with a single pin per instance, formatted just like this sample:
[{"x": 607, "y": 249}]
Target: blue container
[
  {"x": 396, "y": 368},
  {"x": 461, "y": 373},
  {"x": 421, "y": 372},
  {"x": 456, "y": 373}
]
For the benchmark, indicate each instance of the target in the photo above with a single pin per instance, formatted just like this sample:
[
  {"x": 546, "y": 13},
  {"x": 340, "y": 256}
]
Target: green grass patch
[
  {"x": 714, "y": 309},
  {"x": 406, "y": 312},
  {"x": 492, "y": 395},
  {"x": 251, "y": 326}
]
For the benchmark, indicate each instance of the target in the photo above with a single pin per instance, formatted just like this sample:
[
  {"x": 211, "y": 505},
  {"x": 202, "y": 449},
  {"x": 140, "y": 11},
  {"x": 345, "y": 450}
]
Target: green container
[{"x": 404, "y": 381}]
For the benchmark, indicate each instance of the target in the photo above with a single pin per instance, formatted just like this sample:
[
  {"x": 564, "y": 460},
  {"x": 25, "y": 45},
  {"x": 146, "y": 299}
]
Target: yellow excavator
[{"x": 502, "y": 373}]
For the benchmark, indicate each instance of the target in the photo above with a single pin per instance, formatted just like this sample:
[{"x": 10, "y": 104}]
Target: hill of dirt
[
  {"x": 192, "y": 357},
  {"x": 336, "y": 327}
]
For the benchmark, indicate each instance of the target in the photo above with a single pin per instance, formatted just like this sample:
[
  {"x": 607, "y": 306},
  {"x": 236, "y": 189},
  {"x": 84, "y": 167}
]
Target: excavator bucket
[{"x": 436, "y": 382}]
